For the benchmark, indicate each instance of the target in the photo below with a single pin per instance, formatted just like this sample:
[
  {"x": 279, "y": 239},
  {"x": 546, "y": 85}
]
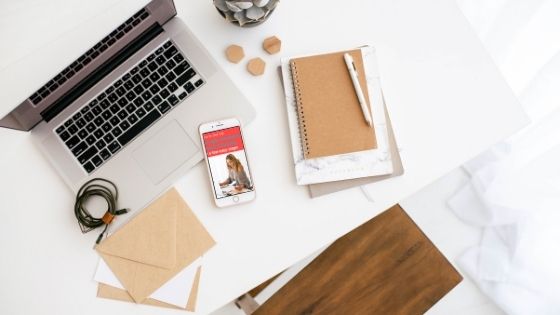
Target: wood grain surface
[{"x": 385, "y": 266}]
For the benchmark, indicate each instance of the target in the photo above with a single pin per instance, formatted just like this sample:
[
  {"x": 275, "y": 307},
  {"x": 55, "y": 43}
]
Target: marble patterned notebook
[{"x": 343, "y": 166}]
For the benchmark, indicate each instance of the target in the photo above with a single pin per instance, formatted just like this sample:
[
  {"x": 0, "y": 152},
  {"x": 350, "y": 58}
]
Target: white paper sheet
[{"x": 176, "y": 291}]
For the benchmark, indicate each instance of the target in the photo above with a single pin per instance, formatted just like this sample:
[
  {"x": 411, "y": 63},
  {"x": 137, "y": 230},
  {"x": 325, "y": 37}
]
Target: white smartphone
[{"x": 228, "y": 165}]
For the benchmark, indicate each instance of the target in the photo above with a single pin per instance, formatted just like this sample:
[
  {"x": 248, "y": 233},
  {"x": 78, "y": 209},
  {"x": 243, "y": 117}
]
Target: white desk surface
[{"x": 446, "y": 99}]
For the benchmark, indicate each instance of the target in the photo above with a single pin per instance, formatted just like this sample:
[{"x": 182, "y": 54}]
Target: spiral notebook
[
  {"x": 338, "y": 167},
  {"x": 331, "y": 120}
]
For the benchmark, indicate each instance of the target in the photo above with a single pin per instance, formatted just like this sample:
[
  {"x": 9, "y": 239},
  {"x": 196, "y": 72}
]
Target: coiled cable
[{"x": 96, "y": 188}]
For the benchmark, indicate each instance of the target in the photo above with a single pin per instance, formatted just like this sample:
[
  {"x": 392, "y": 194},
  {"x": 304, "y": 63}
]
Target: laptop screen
[{"x": 76, "y": 39}]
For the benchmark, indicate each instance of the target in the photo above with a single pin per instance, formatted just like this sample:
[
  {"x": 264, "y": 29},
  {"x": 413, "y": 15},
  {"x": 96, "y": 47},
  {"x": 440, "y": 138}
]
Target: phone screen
[{"x": 227, "y": 162}]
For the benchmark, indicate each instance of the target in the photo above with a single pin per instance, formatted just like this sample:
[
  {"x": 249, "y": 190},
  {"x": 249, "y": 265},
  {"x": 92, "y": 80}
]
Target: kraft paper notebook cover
[
  {"x": 317, "y": 190},
  {"x": 330, "y": 116},
  {"x": 340, "y": 167}
]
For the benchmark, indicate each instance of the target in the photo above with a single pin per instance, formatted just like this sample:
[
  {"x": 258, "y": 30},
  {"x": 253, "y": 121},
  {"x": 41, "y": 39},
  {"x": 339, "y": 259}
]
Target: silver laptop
[{"x": 129, "y": 108}]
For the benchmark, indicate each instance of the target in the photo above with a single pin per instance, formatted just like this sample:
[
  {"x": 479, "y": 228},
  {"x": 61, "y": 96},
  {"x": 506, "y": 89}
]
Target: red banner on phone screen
[{"x": 223, "y": 141}]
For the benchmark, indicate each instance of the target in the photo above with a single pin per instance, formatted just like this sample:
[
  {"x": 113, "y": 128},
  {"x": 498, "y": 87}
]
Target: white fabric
[{"x": 514, "y": 191}]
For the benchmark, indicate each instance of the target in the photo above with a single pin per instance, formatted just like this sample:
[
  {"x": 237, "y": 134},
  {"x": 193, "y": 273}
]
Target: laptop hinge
[{"x": 102, "y": 71}]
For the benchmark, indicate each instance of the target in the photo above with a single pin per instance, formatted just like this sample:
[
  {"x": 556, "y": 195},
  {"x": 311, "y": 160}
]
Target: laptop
[{"x": 129, "y": 108}]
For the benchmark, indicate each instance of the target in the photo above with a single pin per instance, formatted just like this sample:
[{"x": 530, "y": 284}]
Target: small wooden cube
[
  {"x": 256, "y": 66},
  {"x": 272, "y": 45},
  {"x": 235, "y": 53}
]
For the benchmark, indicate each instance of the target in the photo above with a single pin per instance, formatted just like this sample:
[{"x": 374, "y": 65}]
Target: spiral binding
[{"x": 299, "y": 104}]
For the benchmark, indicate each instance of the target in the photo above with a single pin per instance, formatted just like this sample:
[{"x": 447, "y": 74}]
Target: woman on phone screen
[{"x": 236, "y": 174}]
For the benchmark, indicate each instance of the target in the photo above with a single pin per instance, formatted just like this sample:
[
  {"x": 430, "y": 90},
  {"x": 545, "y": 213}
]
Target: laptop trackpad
[{"x": 164, "y": 152}]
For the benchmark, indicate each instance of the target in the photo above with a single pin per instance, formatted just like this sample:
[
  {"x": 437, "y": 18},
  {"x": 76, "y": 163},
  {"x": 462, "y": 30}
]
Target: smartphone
[{"x": 228, "y": 165}]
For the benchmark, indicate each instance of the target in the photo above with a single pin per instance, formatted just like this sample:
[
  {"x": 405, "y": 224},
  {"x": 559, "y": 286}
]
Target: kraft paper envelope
[
  {"x": 155, "y": 245},
  {"x": 109, "y": 292}
]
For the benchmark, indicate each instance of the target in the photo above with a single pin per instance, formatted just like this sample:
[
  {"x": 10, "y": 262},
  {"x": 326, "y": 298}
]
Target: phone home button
[{"x": 235, "y": 199}]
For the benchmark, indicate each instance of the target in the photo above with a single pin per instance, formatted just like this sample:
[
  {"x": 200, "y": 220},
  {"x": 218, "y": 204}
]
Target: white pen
[{"x": 354, "y": 75}]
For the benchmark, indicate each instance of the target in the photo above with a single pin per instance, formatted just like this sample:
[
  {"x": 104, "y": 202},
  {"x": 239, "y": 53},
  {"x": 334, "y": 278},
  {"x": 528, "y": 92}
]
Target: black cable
[{"x": 110, "y": 194}]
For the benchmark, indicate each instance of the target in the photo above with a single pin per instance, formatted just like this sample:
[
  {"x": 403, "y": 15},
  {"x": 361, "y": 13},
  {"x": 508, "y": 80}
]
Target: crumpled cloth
[{"x": 513, "y": 193}]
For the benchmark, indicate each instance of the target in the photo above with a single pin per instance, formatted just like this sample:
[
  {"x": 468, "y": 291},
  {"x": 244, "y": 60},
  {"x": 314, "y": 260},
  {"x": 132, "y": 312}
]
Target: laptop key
[
  {"x": 170, "y": 64},
  {"x": 148, "y": 106},
  {"x": 132, "y": 119},
  {"x": 164, "y": 93},
  {"x": 183, "y": 95},
  {"x": 170, "y": 76},
  {"x": 182, "y": 67},
  {"x": 198, "y": 83},
  {"x": 173, "y": 100},
  {"x": 185, "y": 77},
  {"x": 105, "y": 104},
  {"x": 138, "y": 127},
  {"x": 105, "y": 154},
  {"x": 80, "y": 123},
  {"x": 130, "y": 108},
  {"x": 162, "y": 70},
  {"x": 108, "y": 138},
  {"x": 91, "y": 127},
  {"x": 88, "y": 117},
  {"x": 113, "y": 97},
  {"x": 140, "y": 112},
  {"x": 152, "y": 66},
  {"x": 178, "y": 58},
  {"x": 136, "y": 78},
  {"x": 77, "y": 150},
  {"x": 154, "y": 89},
  {"x": 90, "y": 140},
  {"x": 107, "y": 127},
  {"x": 154, "y": 77},
  {"x": 100, "y": 144},
  {"x": 172, "y": 87},
  {"x": 164, "y": 107},
  {"x": 189, "y": 87},
  {"x": 114, "y": 120},
  {"x": 72, "y": 142},
  {"x": 83, "y": 134},
  {"x": 72, "y": 129},
  {"x": 124, "y": 125},
  {"x": 97, "y": 161},
  {"x": 122, "y": 102},
  {"x": 117, "y": 131},
  {"x": 162, "y": 83},
  {"x": 59, "y": 129},
  {"x": 64, "y": 135},
  {"x": 122, "y": 114},
  {"x": 114, "y": 147},
  {"x": 89, "y": 167},
  {"x": 170, "y": 52},
  {"x": 99, "y": 121},
  {"x": 138, "y": 101},
  {"x": 138, "y": 89},
  {"x": 114, "y": 108},
  {"x": 107, "y": 114},
  {"x": 156, "y": 100},
  {"x": 98, "y": 133},
  {"x": 88, "y": 154}
]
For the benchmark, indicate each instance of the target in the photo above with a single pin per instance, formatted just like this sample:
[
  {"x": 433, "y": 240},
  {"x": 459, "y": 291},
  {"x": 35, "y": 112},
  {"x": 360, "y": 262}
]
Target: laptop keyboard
[{"x": 116, "y": 116}]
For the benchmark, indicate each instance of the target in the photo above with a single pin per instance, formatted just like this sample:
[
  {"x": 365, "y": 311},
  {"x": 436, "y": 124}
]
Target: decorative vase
[{"x": 245, "y": 13}]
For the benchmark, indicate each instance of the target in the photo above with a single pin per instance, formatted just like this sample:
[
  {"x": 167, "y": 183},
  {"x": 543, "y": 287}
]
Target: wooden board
[{"x": 385, "y": 266}]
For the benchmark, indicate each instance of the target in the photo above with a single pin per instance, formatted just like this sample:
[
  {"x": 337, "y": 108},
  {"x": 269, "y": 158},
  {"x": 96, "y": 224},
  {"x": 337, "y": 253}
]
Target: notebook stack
[{"x": 333, "y": 146}]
